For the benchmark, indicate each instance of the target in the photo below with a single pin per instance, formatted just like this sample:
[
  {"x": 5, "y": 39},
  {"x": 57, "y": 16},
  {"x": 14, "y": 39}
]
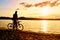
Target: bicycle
[{"x": 20, "y": 26}]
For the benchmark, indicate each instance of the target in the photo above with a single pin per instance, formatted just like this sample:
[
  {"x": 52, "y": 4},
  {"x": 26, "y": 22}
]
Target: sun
[{"x": 45, "y": 10}]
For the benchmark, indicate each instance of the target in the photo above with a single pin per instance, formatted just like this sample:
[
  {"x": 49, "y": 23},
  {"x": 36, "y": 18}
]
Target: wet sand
[{"x": 26, "y": 35}]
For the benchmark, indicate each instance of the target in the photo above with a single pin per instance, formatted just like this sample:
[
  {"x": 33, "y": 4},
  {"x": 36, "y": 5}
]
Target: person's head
[{"x": 15, "y": 12}]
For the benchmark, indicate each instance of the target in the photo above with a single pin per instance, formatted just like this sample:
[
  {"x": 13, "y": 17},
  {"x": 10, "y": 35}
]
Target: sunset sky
[{"x": 7, "y": 8}]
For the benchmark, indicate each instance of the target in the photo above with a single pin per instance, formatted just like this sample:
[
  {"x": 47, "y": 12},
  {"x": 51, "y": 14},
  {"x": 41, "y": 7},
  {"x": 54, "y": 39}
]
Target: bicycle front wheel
[
  {"x": 20, "y": 27},
  {"x": 10, "y": 26}
]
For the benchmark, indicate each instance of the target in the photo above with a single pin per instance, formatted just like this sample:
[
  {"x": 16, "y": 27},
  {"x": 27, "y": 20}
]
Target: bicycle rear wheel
[
  {"x": 10, "y": 26},
  {"x": 20, "y": 27}
]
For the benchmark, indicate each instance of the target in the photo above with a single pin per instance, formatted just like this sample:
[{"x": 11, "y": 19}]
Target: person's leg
[
  {"x": 16, "y": 27},
  {"x": 13, "y": 25}
]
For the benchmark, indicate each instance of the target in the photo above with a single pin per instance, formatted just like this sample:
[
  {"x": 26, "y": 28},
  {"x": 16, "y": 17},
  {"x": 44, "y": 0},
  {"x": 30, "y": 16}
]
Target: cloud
[
  {"x": 22, "y": 3},
  {"x": 26, "y": 4},
  {"x": 48, "y": 3},
  {"x": 42, "y": 4}
]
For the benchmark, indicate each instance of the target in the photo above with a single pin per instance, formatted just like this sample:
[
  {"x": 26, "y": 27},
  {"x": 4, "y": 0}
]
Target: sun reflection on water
[{"x": 44, "y": 25}]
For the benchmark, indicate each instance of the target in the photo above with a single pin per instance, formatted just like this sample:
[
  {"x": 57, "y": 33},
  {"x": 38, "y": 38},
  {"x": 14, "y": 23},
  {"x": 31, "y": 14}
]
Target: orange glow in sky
[{"x": 9, "y": 6}]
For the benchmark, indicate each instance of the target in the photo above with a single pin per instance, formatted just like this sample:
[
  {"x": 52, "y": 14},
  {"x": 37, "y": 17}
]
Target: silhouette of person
[{"x": 15, "y": 16}]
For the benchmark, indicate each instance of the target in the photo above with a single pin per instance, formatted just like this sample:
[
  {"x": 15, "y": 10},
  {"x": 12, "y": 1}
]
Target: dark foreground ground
[{"x": 24, "y": 35}]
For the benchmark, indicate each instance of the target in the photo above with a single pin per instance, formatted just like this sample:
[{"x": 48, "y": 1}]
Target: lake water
[{"x": 36, "y": 25}]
